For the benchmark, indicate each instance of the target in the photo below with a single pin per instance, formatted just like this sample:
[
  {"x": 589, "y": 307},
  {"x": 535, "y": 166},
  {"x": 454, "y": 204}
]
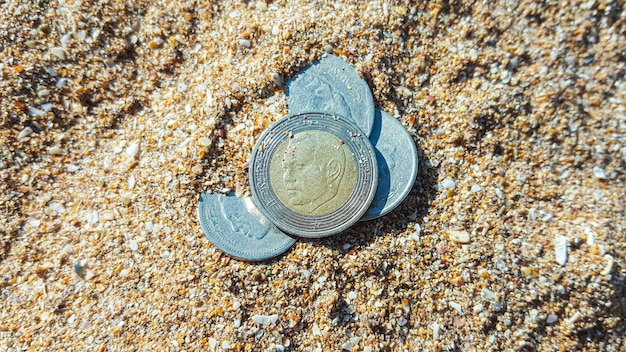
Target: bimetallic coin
[
  {"x": 236, "y": 227},
  {"x": 397, "y": 164},
  {"x": 313, "y": 175},
  {"x": 332, "y": 86}
]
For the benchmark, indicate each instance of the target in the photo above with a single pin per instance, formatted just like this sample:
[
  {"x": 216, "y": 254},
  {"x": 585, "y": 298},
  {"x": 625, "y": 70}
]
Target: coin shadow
[{"x": 411, "y": 211}]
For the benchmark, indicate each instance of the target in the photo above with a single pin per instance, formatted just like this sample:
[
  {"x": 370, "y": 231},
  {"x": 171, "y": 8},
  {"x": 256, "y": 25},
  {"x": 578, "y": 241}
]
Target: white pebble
[
  {"x": 204, "y": 141},
  {"x": 487, "y": 294},
  {"x": 456, "y": 307},
  {"x": 459, "y": 236},
  {"x": 25, "y": 132},
  {"x": 436, "y": 328},
  {"x": 225, "y": 345},
  {"x": 58, "y": 52},
  {"x": 55, "y": 150},
  {"x": 212, "y": 343},
  {"x": 133, "y": 245},
  {"x": 478, "y": 308},
  {"x": 316, "y": 330},
  {"x": 275, "y": 30},
  {"x": 476, "y": 188},
  {"x": 58, "y": 208},
  {"x": 265, "y": 319},
  {"x": 244, "y": 42},
  {"x": 574, "y": 318},
  {"x": 599, "y": 173},
  {"x": 132, "y": 150},
  {"x": 447, "y": 184},
  {"x": 609, "y": 265},
  {"x": 352, "y": 295},
  {"x": 560, "y": 249}
]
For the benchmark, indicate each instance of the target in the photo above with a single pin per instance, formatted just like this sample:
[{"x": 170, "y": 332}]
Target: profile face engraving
[
  {"x": 321, "y": 96},
  {"x": 313, "y": 173},
  {"x": 240, "y": 220}
]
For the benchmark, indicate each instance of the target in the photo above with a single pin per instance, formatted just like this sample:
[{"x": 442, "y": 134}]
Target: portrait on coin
[
  {"x": 315, "y": 169},
  {"x": 239, "y": 218},
  {"x": 318, "y": 95}
]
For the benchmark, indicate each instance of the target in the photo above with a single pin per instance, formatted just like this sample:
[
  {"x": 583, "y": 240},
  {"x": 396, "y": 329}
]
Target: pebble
[
  {"x": 476, "y": 188},
  {"x": 132, "y": 150},
  {"x": 487, "y": 294},
  {"x": 447, "y": 184},
  {"x": 133, "y": 245},
  {"x": 574, "y": 318},
  {"x": 25, "y": 132},
  {"x": 478, "y": 308},
  {"x": 551, "y": 319},
  {"x": 58, "y": 208},
  {"x": 244, "y": 42},
  {"x": 265, "y": 319},
  {"x": 54, "y": 150},
  {"x": 456, "y": 307},
  {"x": 78, "y": 268},
  {"x": 204, "y": 142},
  {"x": 58, "y": 52},
  {"x": 560, "y": 249},
  {"x": 436, "y": 329},
  {"x": 459, "y": 236},
  {"x": 609, "y": 264},
  {"x": 353, "y": 341},
  {"x": 599, "y": 173}
]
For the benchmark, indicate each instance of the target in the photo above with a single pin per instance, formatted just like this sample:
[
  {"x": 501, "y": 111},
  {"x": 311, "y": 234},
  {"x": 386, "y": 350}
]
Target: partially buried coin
[
  {"x": 397, "y": 164},
  {"x": 313, "y": 175},
  {"x": 236, "y": 227},
  {"x": 332, "y": 86}
]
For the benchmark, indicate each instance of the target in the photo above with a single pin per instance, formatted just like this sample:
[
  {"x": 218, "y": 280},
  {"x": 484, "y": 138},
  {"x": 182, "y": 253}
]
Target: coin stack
[{"x": 334, "y": 161}]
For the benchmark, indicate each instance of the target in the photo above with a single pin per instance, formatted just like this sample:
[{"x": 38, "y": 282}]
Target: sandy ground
[{"x": 116, "y": 115}]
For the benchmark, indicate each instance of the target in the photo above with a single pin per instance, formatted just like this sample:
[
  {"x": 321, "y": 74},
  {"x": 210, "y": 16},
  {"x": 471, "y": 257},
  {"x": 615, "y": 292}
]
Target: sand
[{"x": 116, "y": 115}]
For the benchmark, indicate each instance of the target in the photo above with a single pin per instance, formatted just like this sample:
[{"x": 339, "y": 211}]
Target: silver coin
[
  {"x": 332, "y": 86},
  {"x": 236, "y": 227},
  {"x": 397, "y": 164},
  {"x": 313, "y": 175}
]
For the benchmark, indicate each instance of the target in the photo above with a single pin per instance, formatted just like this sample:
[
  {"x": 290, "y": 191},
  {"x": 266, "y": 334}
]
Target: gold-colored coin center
[{"x": 313, "y": 173}]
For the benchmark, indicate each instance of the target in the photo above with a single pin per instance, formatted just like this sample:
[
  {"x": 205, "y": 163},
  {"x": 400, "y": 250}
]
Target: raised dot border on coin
[
  {"x": 397, "y": 159},
  {"x": 280, "y": 214},
  {"x": 236, "y": 228}
]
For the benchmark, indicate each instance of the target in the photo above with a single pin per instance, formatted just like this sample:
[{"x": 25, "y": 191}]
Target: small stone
[
  {"x": 54, "y": 150},
  {"x": 487, "y": 294},
  {"x": 79, "y": 268},
  {"x": 476, "y": 188},
  {"x": 551, "y": 319},
  {"x": 447, "y": 184},
  {"x": 133, "y": 245},
  {"x": 204, "y": 142},
  {"x": 316, "y": 330},
  {"x": 265, "y": 319},
  {"x": 58, "y": 208},
  {"x": 459, "y": 236},
  {"x": 456, "y": 307},
  {"x": 436, "y": 329},
  {"x": 244, "y": 42},
  {"x": 574, "y": 318},
  {"x": 25, "y": 132},
  {"x": 212, "y": 343},
  {"x": 225, "y": 345},
  {"x": 197, "y": 169},
  {"x": 132, "y": 150},
  {"x": 58, "y": 52},
  {"x": 560, "y": 249},
  {"x": 478, "y": 308},
  {"x": 599, "y": 173},
  {"x": 609, "y": 264},
  {"x": 352, "y": 295}
]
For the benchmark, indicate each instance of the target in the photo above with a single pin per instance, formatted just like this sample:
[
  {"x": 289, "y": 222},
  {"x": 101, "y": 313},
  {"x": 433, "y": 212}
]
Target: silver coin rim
[
  {"x": 204, "y": 213},
  {"x": 366, "y": 110},
  {"x": 303, "y": 229},
  {"x": 406, "y": 141}
]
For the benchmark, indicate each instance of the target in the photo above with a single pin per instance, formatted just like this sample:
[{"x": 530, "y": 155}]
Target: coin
[
  {"x": 332, "y": 86},
  {"x": 236, "y": 227},
  {"x": 313, "y": 175},
  {"x": 397, "y": 160}
]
